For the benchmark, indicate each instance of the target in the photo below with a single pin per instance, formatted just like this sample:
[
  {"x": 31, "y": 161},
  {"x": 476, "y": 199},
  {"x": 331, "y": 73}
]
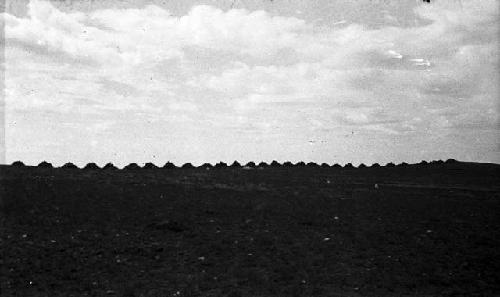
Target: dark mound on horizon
[
  {"x": 132, "y": 166},
  {"x": 91, "y": 166},
  {"x": 150, "y": 165},
  {"x": 413, "y": 230},
  {"x": 45, "y": 164},
  {"x": 110, "y": 166},
  {"x": 18, "y": 164},
  {"x": 220, "y": 165},
  {"x": 236, "y": 164},
  {"x": 206, "y": 166},
  {"x": 187, "y": 166},
  {"x": 69, "y": 165},
  {"x": 169, "y": 165}
]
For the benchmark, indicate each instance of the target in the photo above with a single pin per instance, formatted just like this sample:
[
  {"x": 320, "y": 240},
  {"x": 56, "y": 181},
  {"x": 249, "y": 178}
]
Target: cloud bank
[{"x": 262, "y": 76}]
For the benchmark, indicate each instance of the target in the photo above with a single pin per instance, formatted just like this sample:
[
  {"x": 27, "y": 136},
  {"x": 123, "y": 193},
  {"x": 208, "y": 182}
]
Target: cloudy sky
[{"x": 192, "y": 81}]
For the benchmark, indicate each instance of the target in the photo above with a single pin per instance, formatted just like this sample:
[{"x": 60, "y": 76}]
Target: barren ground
[{"x": 426, "y": 231}]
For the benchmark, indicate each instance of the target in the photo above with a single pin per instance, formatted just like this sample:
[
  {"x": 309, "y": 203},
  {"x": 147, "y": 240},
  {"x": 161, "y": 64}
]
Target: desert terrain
[{"x": 414, "y": 230}]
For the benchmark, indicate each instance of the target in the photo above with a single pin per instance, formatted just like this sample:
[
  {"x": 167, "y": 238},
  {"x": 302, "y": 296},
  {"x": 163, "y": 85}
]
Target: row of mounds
[{"x": 235, "y": 164}]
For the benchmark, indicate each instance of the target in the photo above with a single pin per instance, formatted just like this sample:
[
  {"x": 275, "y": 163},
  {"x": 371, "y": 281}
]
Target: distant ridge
[{"x": 237, "y": 165}]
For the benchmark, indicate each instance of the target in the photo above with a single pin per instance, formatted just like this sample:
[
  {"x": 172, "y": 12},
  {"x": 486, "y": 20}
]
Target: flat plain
[{"x": 416, "y": 230}]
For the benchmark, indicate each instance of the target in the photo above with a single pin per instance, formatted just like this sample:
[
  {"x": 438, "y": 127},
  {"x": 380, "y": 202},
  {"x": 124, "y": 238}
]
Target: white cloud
[
  {"x": 151, "y": 34},
  {"x": 395, "y": 54},
  {"x": 327, "y": 57},
  {"x": 50, "y": 29},
  {"x": 443, "y": 70}
]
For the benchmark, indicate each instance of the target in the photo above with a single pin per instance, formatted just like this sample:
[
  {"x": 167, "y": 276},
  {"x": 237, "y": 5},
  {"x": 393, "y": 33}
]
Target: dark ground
[{"x": 426, "y": 231}]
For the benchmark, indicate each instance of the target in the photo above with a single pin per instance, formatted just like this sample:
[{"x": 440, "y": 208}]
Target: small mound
[
  {"x": 18, "y": 164},
  {"x": 263, "y": 165},
  {"x": 236, "y": 164},
  {"x": 91, "y": 166},
  {"x": 109, "y": 166},
  {"x": 169, "y": 165},
  {"x": 150, "y": 165},
  {"x": 45, "y": 164},
  {"x": 206, "y": 166},
  {"x": 220, "y": 165},
  {"x": 187, "y": 166},
  {"x": 250, "y": 164},
  {"x": 132, "y": 166},
  {"x": 69, "y": 165}
]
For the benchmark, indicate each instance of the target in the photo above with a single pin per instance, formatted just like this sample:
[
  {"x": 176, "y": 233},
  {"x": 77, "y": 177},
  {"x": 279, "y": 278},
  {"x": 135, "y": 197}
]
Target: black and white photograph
[{"x": 250, "y": 148}]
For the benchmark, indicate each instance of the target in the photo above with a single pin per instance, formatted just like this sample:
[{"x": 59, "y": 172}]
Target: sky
[{"x": 250, "y": 80}]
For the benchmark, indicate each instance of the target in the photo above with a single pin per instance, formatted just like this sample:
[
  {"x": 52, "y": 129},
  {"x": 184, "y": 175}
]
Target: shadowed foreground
[{"x": 425, "y": 231}]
